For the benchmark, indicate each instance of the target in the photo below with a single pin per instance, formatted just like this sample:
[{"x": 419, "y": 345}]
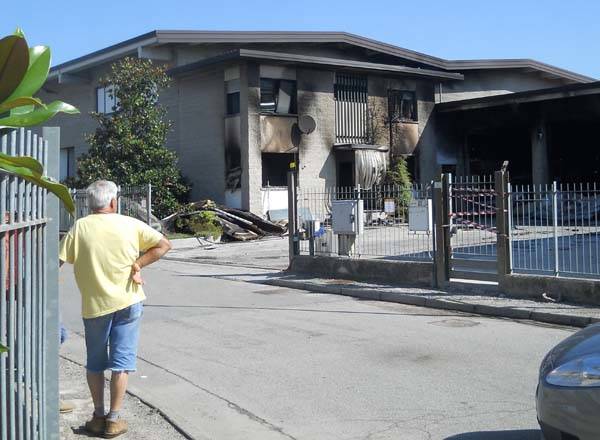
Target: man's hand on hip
[{"x": 136, "y": 273}]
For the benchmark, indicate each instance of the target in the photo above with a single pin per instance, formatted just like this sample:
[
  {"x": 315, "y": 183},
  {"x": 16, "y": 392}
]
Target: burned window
[
  {"x": 233, "y": 103},
  {"x": 278, "y": 96},
  {"x": 402, "y": 105},
  {"x": 351, "y": 94},
  {"x": 275, "y": 167}
]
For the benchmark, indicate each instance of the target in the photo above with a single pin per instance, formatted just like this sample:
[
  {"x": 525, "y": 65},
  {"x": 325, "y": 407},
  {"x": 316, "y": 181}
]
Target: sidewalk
[{"x": 144, "y": 422}]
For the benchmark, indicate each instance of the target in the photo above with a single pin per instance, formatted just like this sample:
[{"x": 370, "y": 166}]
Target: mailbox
[{"x": 347, "y": 217}]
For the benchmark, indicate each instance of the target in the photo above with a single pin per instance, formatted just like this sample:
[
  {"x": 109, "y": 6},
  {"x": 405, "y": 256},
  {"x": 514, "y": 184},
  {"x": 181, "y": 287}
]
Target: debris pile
[{"x": 236, "y": 224}]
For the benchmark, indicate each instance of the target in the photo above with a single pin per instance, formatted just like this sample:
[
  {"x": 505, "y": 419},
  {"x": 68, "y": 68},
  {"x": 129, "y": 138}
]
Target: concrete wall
[
  {"x": 479, "y": 83},
  {"x": 383, "y": 271},
  {"x": 200, "y": 133},
  {"x": 317, "y": 166},
  {"x": 578, "y": 291}
]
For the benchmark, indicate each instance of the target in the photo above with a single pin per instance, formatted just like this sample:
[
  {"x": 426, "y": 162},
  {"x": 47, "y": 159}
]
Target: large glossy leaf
[
  {"x": 3, "y": 349},
  {"x": 59, "y": 190},
  {"x": 23, "y": 162},
  {"x": 14, "y": 62},
  {"x": 20, "y": 102},
  {"x": 37, "y": 72},
  {"x": 37, "y": 116}
]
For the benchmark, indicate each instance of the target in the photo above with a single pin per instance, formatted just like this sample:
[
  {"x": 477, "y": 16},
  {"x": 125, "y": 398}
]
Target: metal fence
[
  {"x": 134, "y": 201},
  {"x": 24, "y": 294},
  {"x": 472, "y": 212},
  {"x": 555, "y": 229},
  {"x": 387, "y": 228}
]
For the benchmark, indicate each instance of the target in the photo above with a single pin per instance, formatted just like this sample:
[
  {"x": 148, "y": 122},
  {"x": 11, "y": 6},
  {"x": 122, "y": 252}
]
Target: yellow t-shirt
[{"x": 102, "y": 249}]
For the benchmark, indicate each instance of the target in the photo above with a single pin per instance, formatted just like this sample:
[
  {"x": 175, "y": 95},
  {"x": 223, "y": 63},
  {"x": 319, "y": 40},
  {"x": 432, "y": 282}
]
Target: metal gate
[
  {"x": 472, "y": 227},
  {"x": 27, "y": 298}
]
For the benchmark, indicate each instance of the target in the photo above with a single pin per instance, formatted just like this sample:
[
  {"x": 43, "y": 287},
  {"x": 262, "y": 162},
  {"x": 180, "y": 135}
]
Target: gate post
[
  {"x": 442, "y": 232},
  {"x": 502, "y": 229},
  {"x": 51, "y": 136},
  {"x": 292, "y": 216}
]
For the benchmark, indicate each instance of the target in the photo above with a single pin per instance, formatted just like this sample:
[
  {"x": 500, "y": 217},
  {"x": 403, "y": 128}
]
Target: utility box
[
  {"x": 420, "y": 215},
  {"x": 347, "y": 217}
]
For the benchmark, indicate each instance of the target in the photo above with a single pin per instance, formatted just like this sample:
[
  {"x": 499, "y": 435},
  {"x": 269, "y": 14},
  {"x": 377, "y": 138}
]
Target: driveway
[{"x": 229, "y": 359}]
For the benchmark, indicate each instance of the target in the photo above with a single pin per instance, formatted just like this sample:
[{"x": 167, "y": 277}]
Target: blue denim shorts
[{"x": 112, "y": 340}]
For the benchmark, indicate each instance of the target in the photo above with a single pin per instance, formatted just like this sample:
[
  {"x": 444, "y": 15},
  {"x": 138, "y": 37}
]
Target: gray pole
[
  {"x": 52, "y": 136},
  {"x": 292, "y": 216},
  {"x": 502, "y": 231},
  {"x": 555, "y": 225}
]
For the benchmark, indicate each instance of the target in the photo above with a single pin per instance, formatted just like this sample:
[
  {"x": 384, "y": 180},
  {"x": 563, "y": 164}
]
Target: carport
[{"x": 546, "y": 135}]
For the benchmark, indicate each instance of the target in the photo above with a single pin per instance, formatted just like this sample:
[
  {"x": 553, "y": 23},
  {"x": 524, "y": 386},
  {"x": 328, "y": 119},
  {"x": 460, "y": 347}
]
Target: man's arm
[{"x": 152, "y": 255}]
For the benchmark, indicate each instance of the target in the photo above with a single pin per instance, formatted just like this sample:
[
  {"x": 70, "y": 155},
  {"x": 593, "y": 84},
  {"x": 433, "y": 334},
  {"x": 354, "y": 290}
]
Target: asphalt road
[{"x": 235, "y": 360}]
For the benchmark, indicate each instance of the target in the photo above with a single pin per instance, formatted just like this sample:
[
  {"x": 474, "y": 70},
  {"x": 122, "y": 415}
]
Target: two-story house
[{"x": 247, "y": 104}]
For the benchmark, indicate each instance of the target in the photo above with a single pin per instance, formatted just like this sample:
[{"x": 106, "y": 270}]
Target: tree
[
  {"x": 23, "y": 71},
  {"x": 128, "y": 146},
  {"x": 398, "y": 176}
]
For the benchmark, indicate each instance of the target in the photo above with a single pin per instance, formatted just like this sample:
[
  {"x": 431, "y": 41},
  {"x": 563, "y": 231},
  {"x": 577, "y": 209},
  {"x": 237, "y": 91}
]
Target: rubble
[{"x": 237, "y": 224}]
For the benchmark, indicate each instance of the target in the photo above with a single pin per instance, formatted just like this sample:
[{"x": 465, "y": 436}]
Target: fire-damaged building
[{"x": 245, "y": 105}]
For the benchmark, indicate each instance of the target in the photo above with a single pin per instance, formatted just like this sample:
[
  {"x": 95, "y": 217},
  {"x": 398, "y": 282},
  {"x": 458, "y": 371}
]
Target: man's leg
[
  {"x": 124, "y": 337},
  {"x": 118, "y": 387},
  {"x": 97, "y": 331},
  {"x": 96, "y": 383}
]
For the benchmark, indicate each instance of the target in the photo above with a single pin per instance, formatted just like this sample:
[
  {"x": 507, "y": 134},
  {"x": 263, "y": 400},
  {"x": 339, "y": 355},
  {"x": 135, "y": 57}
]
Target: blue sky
[{"x": 562, "y": 33}]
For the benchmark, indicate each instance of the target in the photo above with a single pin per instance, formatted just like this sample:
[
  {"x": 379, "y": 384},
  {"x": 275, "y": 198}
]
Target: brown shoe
[
  {"x": 66, "y": 407},
  {"x": 115, "y": 428},
  {"x": 97, "y": 425}
]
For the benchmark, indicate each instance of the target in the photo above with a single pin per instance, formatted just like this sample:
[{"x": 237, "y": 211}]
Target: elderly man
[{"x": 105, "y": 248}]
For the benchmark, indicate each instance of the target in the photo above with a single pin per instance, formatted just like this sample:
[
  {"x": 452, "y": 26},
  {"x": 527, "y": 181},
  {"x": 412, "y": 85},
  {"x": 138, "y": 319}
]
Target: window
[
  {"x": 402, "y": 105},
  {"x": 106, "y": 100},
  {"x": 67, "y": 163},
  {"x": 278, "y": 96},
  {"x": 233, "y": 103},
  {"x": 351, "y": 94},
  {"x": 275, "y": 167}
]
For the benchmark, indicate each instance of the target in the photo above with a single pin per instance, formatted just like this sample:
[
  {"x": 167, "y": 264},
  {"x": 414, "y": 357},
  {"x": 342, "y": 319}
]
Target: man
[{"x": 104, "y": 248}]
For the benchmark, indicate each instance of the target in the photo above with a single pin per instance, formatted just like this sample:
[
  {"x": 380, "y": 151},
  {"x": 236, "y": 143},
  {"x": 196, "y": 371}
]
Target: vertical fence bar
[
  {"x": 3, "y": 304},
  {"x": 555, "y": 225},
  {"x": 149, "y": 204}
]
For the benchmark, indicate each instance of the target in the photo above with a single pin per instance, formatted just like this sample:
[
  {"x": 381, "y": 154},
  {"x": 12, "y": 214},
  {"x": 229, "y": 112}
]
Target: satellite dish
[{"x": 306, "y": 124}]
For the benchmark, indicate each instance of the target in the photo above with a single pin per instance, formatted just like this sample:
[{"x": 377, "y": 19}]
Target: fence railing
[
  {"x": 23, "y": 296},
  {"x": 472, "y": 206},
  {"x": 555, "y": 229},
  {"x": 134, "y": 201},
  {"x": 387, "y": 230}
]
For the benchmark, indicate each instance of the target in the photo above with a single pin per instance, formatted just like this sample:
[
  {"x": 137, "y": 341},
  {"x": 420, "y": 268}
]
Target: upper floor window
[
  {"x": 402, "y": 105},
  {"x": 233, "y": 103},
  {"x": 278, "y": 96},
  {"x": 106, "y": 101}
]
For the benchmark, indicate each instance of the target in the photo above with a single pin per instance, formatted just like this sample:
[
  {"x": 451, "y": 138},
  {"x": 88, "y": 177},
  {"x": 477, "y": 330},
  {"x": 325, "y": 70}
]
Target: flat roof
[
  {"x": 548, "y": 94},
  {"x": 159, "y": 37}
]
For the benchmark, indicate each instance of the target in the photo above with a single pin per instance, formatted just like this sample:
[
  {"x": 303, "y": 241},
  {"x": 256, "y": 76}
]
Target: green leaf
[
  {"x": 59, "y": 190},
  {"x": 3, "y": 349},
  {"x": 19, "y": 33},
  {"x": 14, "y": 62},
  {"x": 37, "y": 116},
  {"x": 23, "y": 162},
  {"x": 37, "y": 72},
  {"x": 19, "y": 102}
]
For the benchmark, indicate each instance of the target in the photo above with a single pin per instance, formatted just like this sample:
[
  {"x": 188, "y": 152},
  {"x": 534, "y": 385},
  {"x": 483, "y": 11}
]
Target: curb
[
  {"x": 438, "y": 303},
  {"x": 146, "y": 402}
]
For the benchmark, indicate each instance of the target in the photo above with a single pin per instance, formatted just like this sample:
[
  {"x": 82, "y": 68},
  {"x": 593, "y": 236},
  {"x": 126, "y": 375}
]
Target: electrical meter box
[
  {"x": 420, "y": 215},
  {"x": 347, "y": 217}
]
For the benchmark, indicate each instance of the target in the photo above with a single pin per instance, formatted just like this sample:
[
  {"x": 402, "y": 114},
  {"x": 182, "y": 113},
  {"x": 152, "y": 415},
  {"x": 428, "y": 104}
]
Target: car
[{"x": 568, "y": 392}]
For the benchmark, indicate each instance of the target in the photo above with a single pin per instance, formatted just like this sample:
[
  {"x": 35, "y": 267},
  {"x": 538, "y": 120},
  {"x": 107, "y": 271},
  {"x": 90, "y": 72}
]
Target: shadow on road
[{"x": 520, "y": 434}]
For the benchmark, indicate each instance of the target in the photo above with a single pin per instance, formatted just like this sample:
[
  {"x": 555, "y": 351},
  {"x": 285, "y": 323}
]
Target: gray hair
[{"x": 100, "y": 193}]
